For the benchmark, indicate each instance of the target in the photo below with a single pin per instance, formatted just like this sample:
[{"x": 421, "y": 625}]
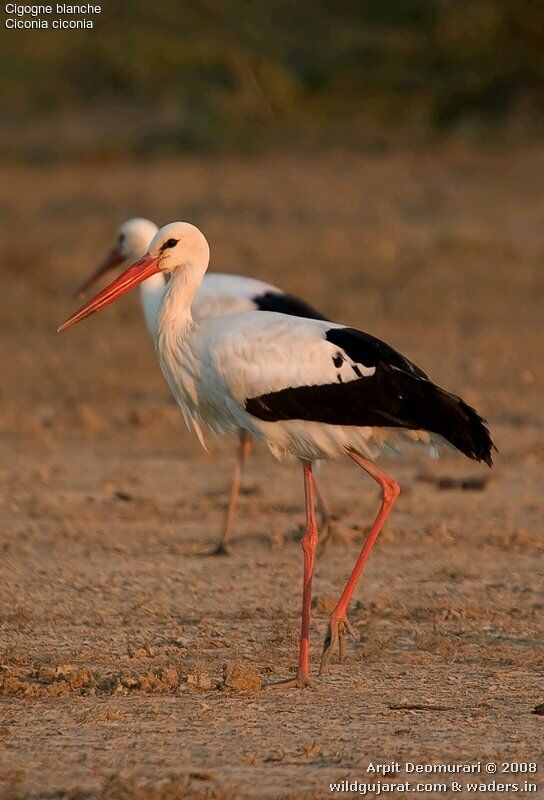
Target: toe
[
  {"x": 220, "y": 550},
  {"x": 300, "y": 682}
]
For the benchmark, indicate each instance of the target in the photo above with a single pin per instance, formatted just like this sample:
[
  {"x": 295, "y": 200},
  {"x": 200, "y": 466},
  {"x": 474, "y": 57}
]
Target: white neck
[
  {"x": 152, "y": 293},
  {"x": 175, "y": 325},
  {"x": 176, "y": 342},
  {"x": 175, "y": 316}
]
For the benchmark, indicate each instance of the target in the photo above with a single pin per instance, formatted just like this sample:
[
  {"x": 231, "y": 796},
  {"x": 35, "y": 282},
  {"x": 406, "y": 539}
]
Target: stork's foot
[
  {"x": 300, "y": 682},
  {"x": 219, "y": 550},
  {"x": 335, "y": 640}
]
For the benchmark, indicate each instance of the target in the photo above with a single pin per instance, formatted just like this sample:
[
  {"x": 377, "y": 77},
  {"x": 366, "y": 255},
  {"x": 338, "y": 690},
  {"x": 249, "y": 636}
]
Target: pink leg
[
  {"x": 322, "y": 505},
  {"x": 308, "y": 544},
  {"x": 244, "y": 449},
  {"x": 338, "y": 622},
  {"x": 329, "y": 531}
]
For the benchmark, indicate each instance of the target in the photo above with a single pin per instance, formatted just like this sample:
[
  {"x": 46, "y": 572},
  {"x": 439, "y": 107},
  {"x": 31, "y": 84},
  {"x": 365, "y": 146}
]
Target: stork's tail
[{"x": 461, "y": 426}]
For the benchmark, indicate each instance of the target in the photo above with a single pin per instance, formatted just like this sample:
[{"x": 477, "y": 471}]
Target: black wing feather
[
  {"x": 398, "y": 395},
  {"x": 363, "y": 348},
  {"x": 289, "y": 304}
]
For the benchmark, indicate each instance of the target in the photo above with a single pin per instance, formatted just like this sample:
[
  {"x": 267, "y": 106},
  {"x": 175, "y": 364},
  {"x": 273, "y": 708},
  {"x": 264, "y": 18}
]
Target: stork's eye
[
  {"x": 121, "y": 238},
  {"x": 169, "y": 243}
]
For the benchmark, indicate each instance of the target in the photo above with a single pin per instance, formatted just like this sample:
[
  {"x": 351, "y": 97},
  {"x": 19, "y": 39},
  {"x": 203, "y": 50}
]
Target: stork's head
[
  {"x": 133, "y": 238},
  {"x": 178, "y": 246}
]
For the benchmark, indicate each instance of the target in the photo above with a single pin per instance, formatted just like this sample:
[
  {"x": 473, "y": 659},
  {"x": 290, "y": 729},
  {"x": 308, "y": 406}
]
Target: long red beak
[
  {"x": 138, "y": 272},
  {"x": 112, "y": 259}
]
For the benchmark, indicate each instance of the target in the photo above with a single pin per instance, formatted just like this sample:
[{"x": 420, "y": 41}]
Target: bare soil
[{"x": 131, "y": 664}]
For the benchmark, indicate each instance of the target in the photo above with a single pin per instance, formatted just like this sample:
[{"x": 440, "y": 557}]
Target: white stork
[
  {"x": 219, "y": 294},
  {"x": 310, "y": 388}
]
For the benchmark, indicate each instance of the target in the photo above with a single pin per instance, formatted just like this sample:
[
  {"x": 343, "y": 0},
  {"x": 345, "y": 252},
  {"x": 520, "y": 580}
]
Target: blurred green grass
[{"x": 168, "y": 75}]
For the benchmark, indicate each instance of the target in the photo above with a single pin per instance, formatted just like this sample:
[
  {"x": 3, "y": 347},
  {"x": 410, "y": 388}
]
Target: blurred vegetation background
[{"x": 158, "y": 76}]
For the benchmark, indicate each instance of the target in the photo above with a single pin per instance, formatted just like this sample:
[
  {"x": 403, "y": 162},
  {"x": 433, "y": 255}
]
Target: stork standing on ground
[
  {"x": 314, "y": 389},
  {"x": 219, "y": 294}
]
